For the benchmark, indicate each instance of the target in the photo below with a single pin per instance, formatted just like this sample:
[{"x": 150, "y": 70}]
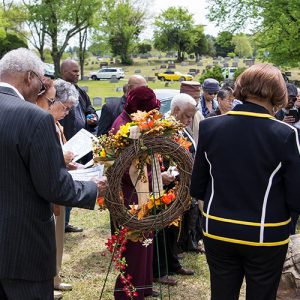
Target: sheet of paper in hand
[
  {"x": 80, "y": 144},
  {"x": 87, "y": 174}
]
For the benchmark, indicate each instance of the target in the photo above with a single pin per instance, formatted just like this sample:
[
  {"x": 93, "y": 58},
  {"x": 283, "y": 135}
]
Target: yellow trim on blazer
[
  {"x": 242, "y": 242},
  {"x": 249, "y": 114},
  {"x": 233, "y": 221}
]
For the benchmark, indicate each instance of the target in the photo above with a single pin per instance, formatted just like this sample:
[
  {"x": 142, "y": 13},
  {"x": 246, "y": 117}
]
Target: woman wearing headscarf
[
  {"x": 247, "y": 171},
  {"x": 138, "y": 257}
]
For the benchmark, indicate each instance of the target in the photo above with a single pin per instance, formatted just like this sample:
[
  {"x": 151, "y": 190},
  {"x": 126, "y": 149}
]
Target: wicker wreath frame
[{"x": 160, "y": 145}]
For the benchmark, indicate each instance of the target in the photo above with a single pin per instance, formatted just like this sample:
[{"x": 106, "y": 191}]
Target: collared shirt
[{"x": 5, "y": 84}]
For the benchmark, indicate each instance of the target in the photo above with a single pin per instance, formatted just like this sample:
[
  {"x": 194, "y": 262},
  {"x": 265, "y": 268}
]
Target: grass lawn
[
  {"x": 86, "y": 261},
  {"x": 85, "y": 267}
]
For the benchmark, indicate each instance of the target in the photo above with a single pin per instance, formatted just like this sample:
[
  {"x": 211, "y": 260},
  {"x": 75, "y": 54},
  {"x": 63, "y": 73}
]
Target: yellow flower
[{"x": 102, "y": 153}]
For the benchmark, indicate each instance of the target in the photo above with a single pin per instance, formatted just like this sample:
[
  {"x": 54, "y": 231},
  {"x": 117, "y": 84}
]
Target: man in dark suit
[
  {"x": 112, "y": 109},
  {"x": 82, "y": 116},
  {"x": 32, "y": 176}
]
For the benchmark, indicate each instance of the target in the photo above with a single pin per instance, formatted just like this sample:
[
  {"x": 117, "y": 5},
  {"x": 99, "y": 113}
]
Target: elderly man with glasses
[{"x": 33, "y": 176}]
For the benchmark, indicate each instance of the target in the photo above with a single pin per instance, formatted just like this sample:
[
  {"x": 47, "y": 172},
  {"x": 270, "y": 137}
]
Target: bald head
[
  {"x": 135, "y": 81},
  {"x": 70, "y": 70}
]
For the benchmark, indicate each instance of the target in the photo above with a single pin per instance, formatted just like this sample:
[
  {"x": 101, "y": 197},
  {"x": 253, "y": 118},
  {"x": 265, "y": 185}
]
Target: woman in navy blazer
[{"x": 247, "y": 171}]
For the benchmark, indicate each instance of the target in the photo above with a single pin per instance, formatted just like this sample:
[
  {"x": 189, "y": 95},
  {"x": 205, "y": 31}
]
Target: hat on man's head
[
  {"x": 292, "y": 90},
  {"x": 211, "y": 85},
  {"x": 141, "y": 98},
  {"x": 191, "y": 88}
]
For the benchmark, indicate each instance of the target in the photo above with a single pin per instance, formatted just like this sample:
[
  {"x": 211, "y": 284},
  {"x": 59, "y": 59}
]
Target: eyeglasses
[
  {"x": 51, "y": 101},
  {"x": 215, "y": 93},
  {"x": 43, "y": 88},
  {"x": 66, "y": 108}
]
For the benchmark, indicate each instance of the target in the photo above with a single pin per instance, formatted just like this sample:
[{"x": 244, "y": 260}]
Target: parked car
[
  {"x": 49, "y": 70},
  {"x": 108, "y": 73},
  {"x": 173, "y": 75},
  {"x": 228, "y": 73},
  {"x": 165, "y": 96}
]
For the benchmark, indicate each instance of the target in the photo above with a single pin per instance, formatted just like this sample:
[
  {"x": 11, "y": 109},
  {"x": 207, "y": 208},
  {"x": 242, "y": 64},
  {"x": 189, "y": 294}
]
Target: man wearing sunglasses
[
  {"x": 210, "y": 88},
  {"x": 33, "y": 176}
]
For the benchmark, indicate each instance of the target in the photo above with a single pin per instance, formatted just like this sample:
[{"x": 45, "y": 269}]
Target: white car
[
  {"x": 108, "y": 73},
  {"x": 228, "y": 73},
  {"x": 49, "y": 70}
]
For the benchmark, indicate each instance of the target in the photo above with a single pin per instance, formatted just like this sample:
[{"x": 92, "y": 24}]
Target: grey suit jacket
[{"x": 32, "y": 175}]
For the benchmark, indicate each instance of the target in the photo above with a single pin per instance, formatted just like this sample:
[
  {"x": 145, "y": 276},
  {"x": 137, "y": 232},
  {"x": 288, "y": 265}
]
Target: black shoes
[{"x": 70, "y": 228}]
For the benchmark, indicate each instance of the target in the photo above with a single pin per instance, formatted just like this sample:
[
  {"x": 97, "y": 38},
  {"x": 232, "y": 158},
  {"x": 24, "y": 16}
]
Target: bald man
[
  {"x": 82, "y": 116},
  {"x": 77, "y": 118},
  {"x": 112, "y": 109}
]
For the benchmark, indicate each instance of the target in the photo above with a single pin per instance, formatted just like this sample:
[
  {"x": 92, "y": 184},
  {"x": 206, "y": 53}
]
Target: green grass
[
  {"x": 85, "y": 267},
  {"x": 86, "y": 261}
]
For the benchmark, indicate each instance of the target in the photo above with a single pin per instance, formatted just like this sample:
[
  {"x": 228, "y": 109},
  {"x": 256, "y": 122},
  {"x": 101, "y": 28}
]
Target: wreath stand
[{"x": 148, "y": 146}]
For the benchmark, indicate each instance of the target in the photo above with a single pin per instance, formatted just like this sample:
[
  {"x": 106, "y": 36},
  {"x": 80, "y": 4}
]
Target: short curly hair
[
  {"x": 262, "y": 82},
  {"x": 65, "y": 91},
  {"x": 21, "y": 60}
]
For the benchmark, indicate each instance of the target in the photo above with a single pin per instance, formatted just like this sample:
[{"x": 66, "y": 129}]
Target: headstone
[
  {"x": 114, "y": 79},
  {"x": 137, "y": 71},
  {"x": 171, "y": 66},
  {"x": 200, "y": 64},
  {"x": 151, "y": 79},
  {"x": 84, "y": 78},
  {"x": 163, "y": 66},
  {"x": 185, "y": 63},
  {"x": 97, "y": 101},
  {"x": 103, "y": 64},
  {"x": 119, "y": 89},
  {"x": 235, "y": 64},
  {"x": 226, "y": 65},
  {"x": 289, "y": 286},
  {"x": 85, "y": 88}
]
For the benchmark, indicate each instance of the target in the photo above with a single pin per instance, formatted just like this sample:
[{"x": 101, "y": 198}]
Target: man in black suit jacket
[
  {"x": 82, "y": 116},
  {"x": 32, "y": 176}
]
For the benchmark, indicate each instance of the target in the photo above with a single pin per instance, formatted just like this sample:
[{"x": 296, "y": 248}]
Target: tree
[
  {"x": 277, "y": 25},
  {"x": 242, "y": 46},
  {"x": 9, "y": 42},
  {"x": 199, "y": 43},
  {"x": 224, "y": 43},
  {"x": 61, "y": 20},
  {"x": 173, "y": 31},
  {"x": 122, "y": 23},
  {"x": 144, "y": 48}
]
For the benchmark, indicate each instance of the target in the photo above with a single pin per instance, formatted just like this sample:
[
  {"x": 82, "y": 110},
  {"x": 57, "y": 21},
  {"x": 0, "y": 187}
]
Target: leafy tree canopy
[
  {"x": 174, "y": 28},
  {"x": 276, "y": 23}
]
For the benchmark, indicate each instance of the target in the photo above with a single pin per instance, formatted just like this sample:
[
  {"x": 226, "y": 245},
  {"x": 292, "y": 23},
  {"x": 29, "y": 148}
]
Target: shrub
[{"x": 214, "y": 72}]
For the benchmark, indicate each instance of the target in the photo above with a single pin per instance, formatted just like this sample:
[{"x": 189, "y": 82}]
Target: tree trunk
[{"x": 82, "y": 50}]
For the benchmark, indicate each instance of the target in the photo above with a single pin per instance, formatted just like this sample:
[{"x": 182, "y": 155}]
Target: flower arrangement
[{"x": 108, "y": 147}]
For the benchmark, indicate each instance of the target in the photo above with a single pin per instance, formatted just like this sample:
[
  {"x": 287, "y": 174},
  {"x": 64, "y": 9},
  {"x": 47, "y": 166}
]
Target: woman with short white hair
[{"x": 183, "y": 108}]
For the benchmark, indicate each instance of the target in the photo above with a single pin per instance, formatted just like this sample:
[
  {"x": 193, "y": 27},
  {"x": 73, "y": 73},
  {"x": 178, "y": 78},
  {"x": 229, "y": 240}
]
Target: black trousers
[
  {"x": 11, "y": 289},
  {"x": 162, "y": 264},
  {"x": 229, "y": 263}
]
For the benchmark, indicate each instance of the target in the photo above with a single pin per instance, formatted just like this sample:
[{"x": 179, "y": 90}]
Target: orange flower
[
  {"x": 166, "y": 200},
  {"x": 100, "y": 201}
]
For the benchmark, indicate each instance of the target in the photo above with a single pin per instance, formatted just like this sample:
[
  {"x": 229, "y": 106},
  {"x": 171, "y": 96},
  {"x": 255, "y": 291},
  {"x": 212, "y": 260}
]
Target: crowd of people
[{"x": 245, "y": 146}]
